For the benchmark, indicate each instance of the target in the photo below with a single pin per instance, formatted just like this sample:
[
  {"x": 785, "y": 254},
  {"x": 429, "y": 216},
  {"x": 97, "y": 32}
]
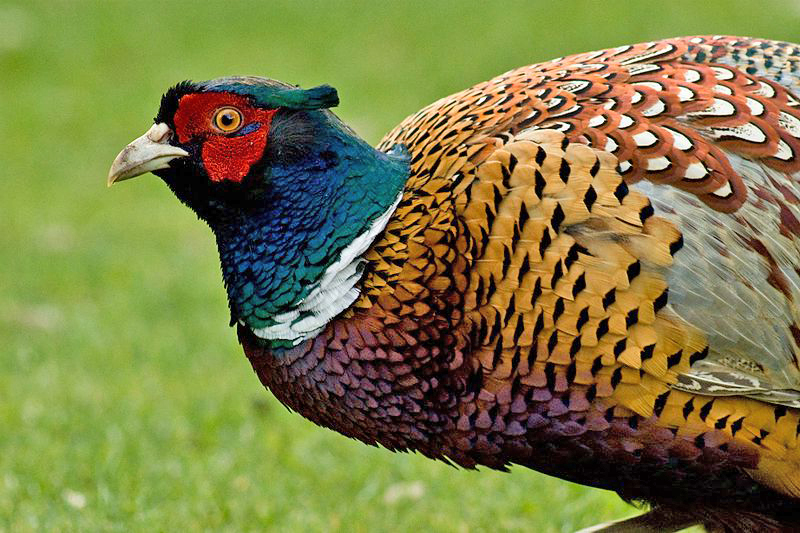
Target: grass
[{"x": 125, "y": 402}]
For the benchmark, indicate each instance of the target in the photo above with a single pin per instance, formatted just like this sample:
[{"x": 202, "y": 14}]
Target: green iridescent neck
[{"x": 314, "y": 208}]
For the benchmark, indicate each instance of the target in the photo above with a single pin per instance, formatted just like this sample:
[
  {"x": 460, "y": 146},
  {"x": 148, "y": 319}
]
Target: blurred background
[{"x": 125, "y": 401}]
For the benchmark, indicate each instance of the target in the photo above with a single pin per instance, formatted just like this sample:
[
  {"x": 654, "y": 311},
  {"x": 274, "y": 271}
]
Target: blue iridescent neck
[{"x": 313, "y": 206}]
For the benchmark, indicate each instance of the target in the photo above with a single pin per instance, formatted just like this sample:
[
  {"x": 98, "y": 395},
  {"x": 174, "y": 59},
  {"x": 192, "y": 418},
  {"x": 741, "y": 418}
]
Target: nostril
[{"x": 159, "y": 133}]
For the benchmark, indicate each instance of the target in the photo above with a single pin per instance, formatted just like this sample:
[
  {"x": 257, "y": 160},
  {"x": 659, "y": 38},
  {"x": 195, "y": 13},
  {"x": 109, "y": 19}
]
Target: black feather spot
[
  {"x": 697, "y": 356},
  {"x": 674, "y": 359},
  {"x": 524, "y": 268},
  {"x": 558, "y": 309},
  {"x": 557, "y": 218},
  {"x": 645, "y": 213},
  {"x": 616, "y": 377},
  {"x": 510, "y": 309},
  {"x": 571, "y": 371},
  {"x": 572, "y": 255},
  {"x": 609, "y": 298},
  {"x": 515, "y": 237},
  {"x": 506, "y": 260},
  {"x": 634, "y": 269},
  {"x": 545, "y": 242},
  {"x": 595, "y": 168},
  {"x": 579, "y": 285},
  {"x": 537, "y": 291},
  {"x": 590, "y": 197},
  {"x": 660, "y": 403},
  {"x": 602, "y": 328},
  {"x": 540, "y": 156},
  {"x": 523, "y": 215},
  {"x": 550, "y": 374},
  {"x": 591, "y": 393},
  {"x": 647, "y": 352},
  {"x": 519, "y": 329},
  {"x": 575, "y": 347},
  {"x": 621, "y": 191},
  {"x": 736, "y": 426},
  {"x": 688, "y": 407},
  {"x": 498, "y": 352},
  {"x": 498, "y": 197},
  {"x": 491, "y": 288},
  {"x": 619, "y": 347},
  {"x": 488, "y": 214},
  {"x": 496, "y": 325},
  {"x": 583, "y": 318},
  {"x": 483, "y": 329},
  {"x": 551, "y": 343},
  {"x": 597, "y": 364},
  {"x": 675, "y": 246},
  {"x": 581, "y": 250},
  {"x": 558, "y": 271},
  {"x": 479, "y": 291},
  {"x": 516, "y": 384},
  {"x": 564, "y": 171},
  {"x": 512, "y": 163},
  {"x": 507, "y": 174},
  {"x": 539, "y": 183},
  {"x": 631, "y": 318},
  {"x": 661, "y": 301},
  {"x": 706, "y": 409}
]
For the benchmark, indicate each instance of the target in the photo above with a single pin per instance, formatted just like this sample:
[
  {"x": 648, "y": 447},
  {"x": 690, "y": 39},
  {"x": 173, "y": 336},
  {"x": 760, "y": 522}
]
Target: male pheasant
[{"x": 589, "y": 266}]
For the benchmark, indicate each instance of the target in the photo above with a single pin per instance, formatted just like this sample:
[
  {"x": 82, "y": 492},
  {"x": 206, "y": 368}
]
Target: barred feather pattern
[{"x": 593, "y": 272}]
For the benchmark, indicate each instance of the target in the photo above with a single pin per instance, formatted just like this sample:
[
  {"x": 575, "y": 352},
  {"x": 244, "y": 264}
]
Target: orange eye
[{"x": 227, "y": 119}]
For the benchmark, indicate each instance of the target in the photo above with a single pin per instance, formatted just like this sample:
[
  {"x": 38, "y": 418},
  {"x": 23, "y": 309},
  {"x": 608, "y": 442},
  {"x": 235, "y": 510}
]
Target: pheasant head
[{"x": 292, "y": 195}]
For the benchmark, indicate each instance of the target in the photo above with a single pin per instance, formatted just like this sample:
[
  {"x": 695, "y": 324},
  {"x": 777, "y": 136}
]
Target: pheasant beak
[{"x": 149, "y": 152}]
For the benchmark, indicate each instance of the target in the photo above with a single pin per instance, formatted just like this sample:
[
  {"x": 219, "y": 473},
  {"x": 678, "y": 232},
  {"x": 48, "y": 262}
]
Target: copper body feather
[{"x": 594, "y": 272}]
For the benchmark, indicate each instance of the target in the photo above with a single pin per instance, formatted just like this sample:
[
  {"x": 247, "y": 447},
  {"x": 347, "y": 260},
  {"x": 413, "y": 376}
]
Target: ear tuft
[{"x": 321, "y": 97}]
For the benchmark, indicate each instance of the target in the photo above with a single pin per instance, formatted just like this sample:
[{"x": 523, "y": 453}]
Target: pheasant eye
[{"x": 228, "y": 119}]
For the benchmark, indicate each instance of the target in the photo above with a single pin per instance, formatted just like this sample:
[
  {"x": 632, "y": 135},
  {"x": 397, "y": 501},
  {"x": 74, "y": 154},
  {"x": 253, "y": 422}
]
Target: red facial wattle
[{"x": 226, "y": 156}]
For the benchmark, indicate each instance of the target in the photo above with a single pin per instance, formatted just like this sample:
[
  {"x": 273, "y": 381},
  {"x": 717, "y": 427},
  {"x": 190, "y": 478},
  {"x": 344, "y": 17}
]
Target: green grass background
[{"x": 125, "y": 402}]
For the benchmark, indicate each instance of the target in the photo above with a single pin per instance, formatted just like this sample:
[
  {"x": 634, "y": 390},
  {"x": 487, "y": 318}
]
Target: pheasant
[{"x": 589, "y": 267}]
